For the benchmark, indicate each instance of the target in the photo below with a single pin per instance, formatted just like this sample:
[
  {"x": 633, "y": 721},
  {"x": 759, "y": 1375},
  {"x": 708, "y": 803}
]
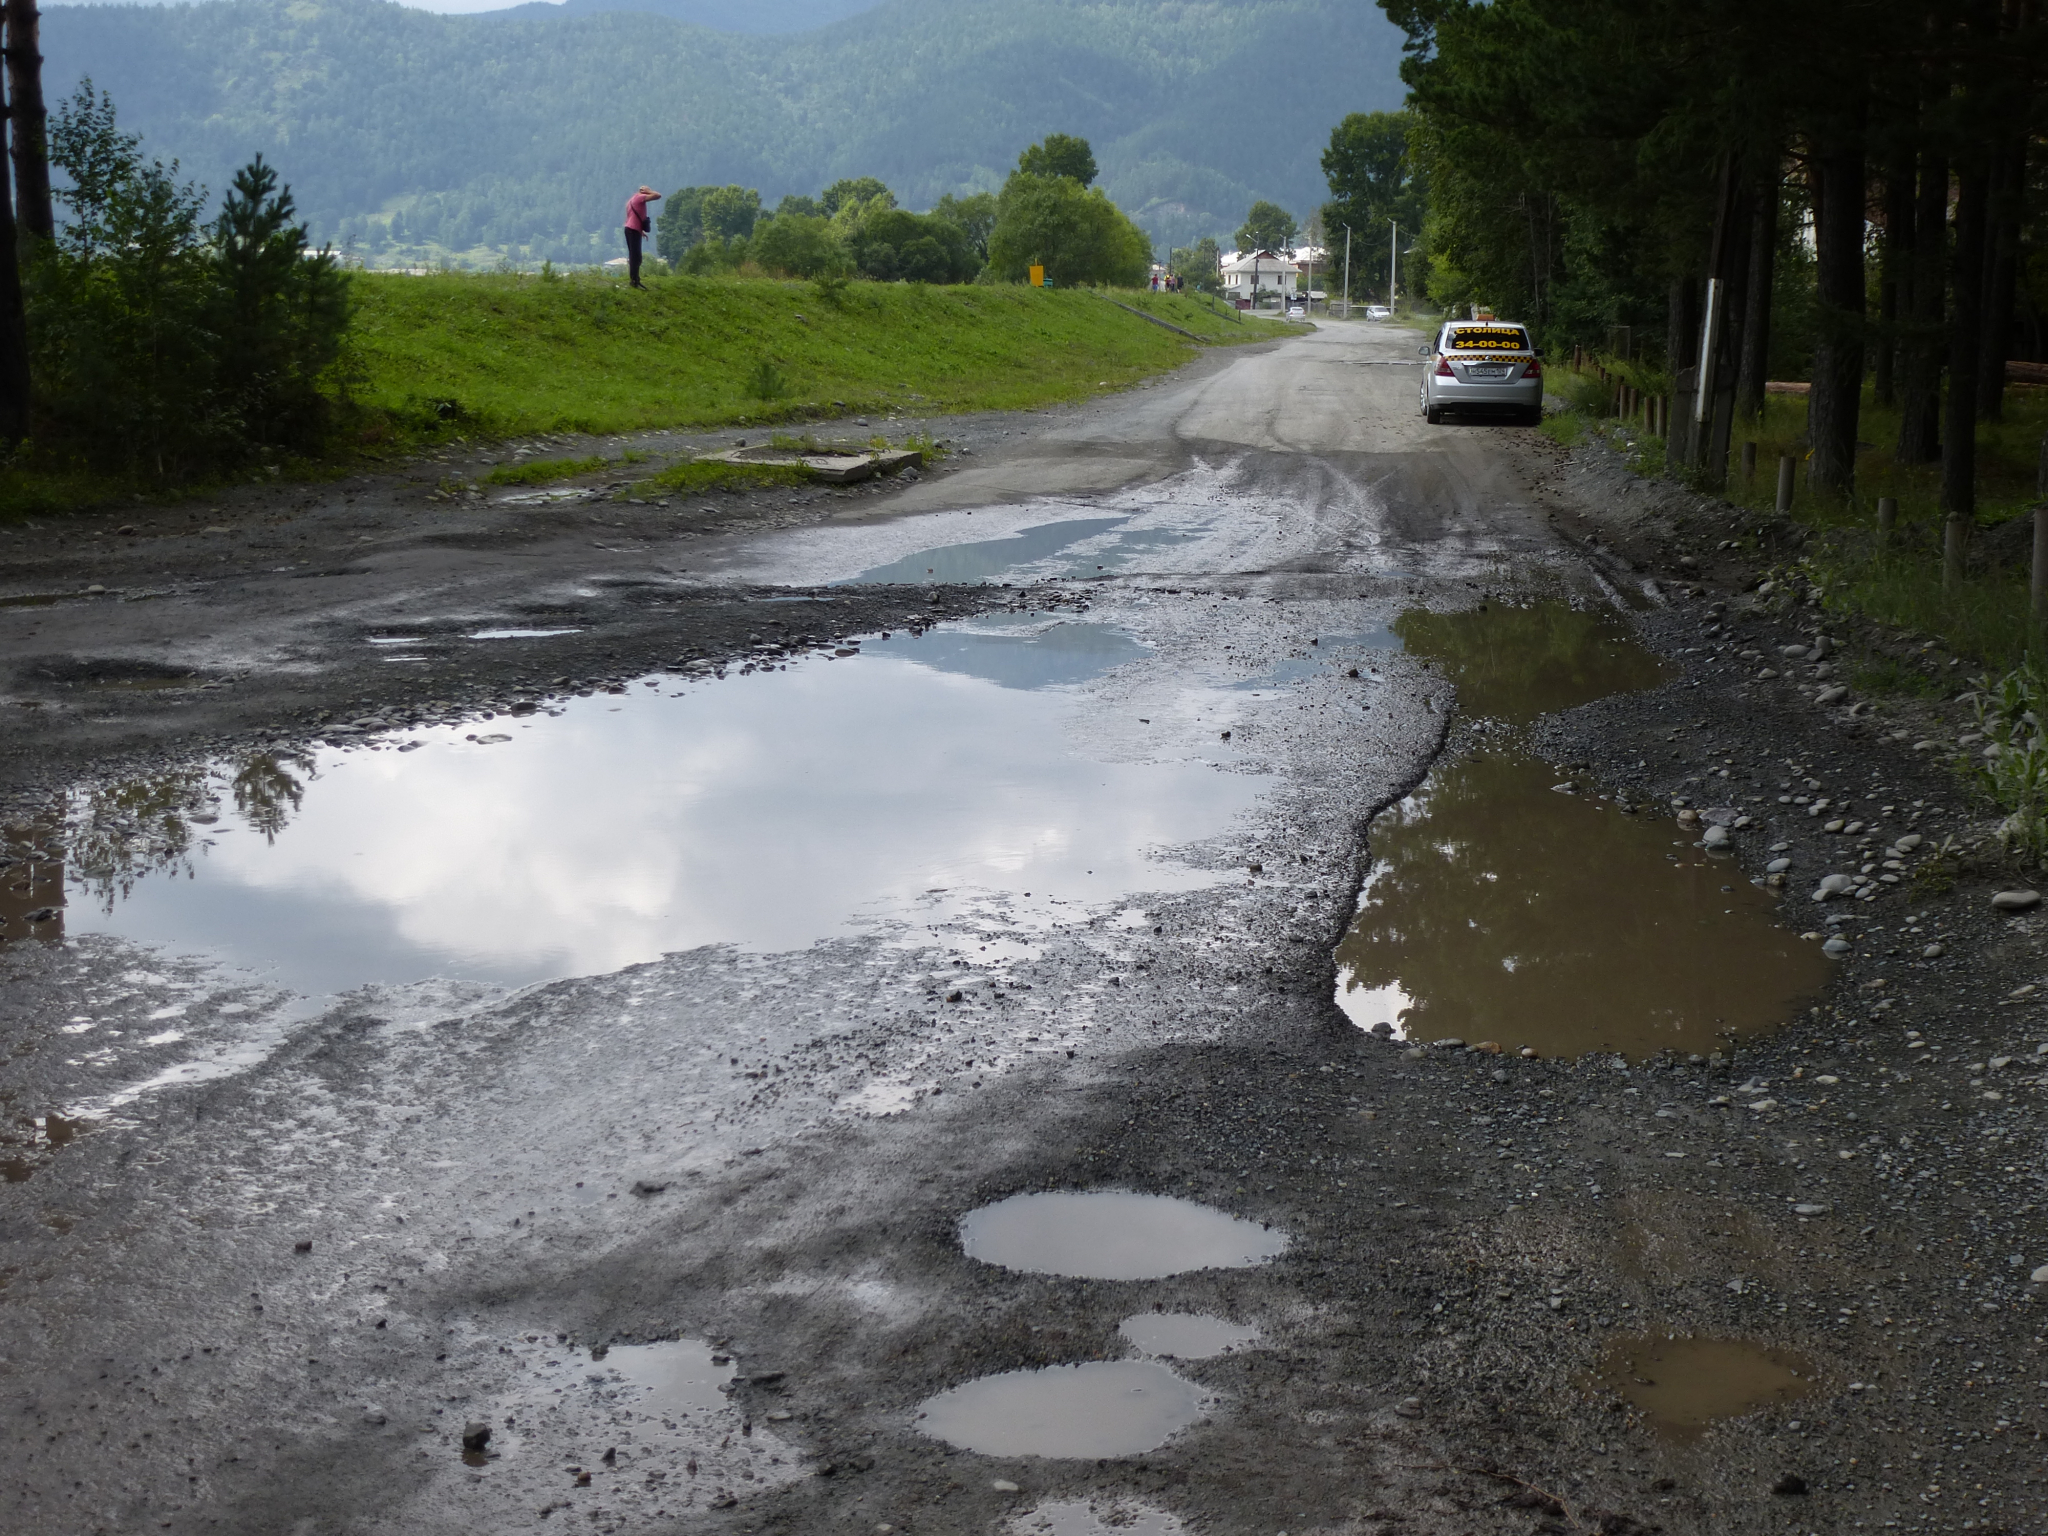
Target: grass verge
[{"x": 503, "y": 355}]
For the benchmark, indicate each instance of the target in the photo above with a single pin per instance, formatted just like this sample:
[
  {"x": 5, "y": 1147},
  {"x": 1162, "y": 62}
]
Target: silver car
[{"x": 1483, "y": 365}]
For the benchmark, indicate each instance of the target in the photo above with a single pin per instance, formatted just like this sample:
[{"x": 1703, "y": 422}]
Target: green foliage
[
  {"x": 1060, "y": 154},
  {"x": 1078, "y": 235},
  {"x": 888, "y": 243},
  {"x": 797, "y": 245},
  {"x": 690, "y": 216},
  {"x": 1268, "y": 227},
  {"x": 543, "y": 471},
  {"x": 163, "y": 347},
  {"x": 1374, "y": 183},
  {"x": 974, "y": 216},
  {"x": 2010, "y": 712},
  {"x": 803, "y": 207},
  {"x": 1199, "y": 266},
  {"x": 854, "y": 194}
]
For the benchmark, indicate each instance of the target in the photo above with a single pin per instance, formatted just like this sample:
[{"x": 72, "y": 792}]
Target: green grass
[
  {"x": 694, "y": 477},
  {"x": 544, "y": 471},
  {"x": 504, "y": 355}
]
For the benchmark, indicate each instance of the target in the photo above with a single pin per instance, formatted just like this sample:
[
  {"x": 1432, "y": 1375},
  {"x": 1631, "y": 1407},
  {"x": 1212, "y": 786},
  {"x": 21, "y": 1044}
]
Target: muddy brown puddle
[
  {"x": 1511, "y": 905},
  {"x": 1683, "y": 1385},
  {"x": 1113, "y": 1235},
  {"x": 1503, "y": 911}
]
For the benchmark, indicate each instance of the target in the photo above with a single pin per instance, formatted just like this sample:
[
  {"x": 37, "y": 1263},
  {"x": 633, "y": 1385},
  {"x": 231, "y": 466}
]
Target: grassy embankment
[
  {"x": 502, "y": 355},
  {"x": 1983, "y": 618}
]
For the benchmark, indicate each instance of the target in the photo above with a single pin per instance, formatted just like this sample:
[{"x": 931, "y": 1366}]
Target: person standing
[{"x": 637, "y": 227}]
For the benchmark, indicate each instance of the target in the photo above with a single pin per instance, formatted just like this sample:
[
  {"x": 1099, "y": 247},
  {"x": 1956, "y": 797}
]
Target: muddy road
[{"x": 1221, "y": 961}]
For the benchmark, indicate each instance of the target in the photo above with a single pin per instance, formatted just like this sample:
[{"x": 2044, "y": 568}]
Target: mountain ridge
[{"x": 524, "y": 134}]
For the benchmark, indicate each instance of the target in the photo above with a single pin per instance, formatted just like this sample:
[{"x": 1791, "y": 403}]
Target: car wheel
[
  {"x": 1533, "y": 417},
  {"x": 1434, "y": 415}
]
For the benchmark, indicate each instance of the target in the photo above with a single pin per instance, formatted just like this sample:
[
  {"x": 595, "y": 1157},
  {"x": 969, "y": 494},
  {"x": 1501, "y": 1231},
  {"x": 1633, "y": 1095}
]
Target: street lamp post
[
  {"x": 1393, "y": 261},
  {"x": 1347, "y": 271}
]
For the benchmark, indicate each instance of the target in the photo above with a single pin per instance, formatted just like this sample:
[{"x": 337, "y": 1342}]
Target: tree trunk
[
  {"x": 13, "y": 323},
  {"x": 31, "y": 121},
  {"x": 1755, "y": 367},
  {"x": 1895, "y": 288},
  {"x": 1836, "y": 400},
  {"x": 2001, "y": 273},
  {"x": 1920, "y": 339},
  {"x": 1965, "y": 343},
  {"x": 1682, "y": 323}
]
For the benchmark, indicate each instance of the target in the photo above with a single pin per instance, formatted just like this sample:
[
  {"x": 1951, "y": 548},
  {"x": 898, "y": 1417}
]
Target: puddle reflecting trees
[
  {"x": 1515, "y": 663},
  {"x": 1500, "y": 910}
]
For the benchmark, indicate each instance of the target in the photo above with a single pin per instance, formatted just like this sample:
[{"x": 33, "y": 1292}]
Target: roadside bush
[
  {"x": 163, "y": 345},
  {"x": 891, "y": 243},
  {"x": 2010, "y": 713},
  {"x": 1078, "y": 235},
  {"x": 797, "y": 245}
]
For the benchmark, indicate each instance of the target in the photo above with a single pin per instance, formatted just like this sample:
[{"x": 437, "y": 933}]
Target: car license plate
[{"x": 1487, "y": 373}]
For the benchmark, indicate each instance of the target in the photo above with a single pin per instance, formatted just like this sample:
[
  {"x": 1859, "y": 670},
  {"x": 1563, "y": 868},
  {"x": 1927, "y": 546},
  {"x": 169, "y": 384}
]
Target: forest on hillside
[{"x": 522, "y": 134}]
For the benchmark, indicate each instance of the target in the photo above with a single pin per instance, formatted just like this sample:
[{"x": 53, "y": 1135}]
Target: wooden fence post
[
  {"x": 1749, "y": 461},
  {"x": 1887, "y": 520},
  {"x": 1787, "y": 468}
]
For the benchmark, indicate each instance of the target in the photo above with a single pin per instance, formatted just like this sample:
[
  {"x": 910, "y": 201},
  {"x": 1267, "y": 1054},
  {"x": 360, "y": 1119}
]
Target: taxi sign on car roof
[{"x": 1488, "y": 338}]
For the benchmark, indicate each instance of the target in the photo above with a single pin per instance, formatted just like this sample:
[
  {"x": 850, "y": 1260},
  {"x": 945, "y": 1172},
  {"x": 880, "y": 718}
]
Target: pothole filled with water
[
  {"x": 1500, "y": 910},
  {"x": 1113, "y": 1235},
  {"x": 1186, "y": 1335},
  {"x": 1081, "y": 546},
  {"x": 1509, "y": 905},
  {"x": 899, "y": 788},
  {"x": 1683, "y": 1385},
  {"x": 1101, "y": 1408},
  {"x": 1516, "y": 663}
]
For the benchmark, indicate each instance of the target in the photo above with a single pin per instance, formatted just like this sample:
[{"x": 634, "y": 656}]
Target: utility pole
[
  {"x": 25, "y": 99},
  {"x": 1393, "y": 262},
  {"x": 1347, "y": 271}
]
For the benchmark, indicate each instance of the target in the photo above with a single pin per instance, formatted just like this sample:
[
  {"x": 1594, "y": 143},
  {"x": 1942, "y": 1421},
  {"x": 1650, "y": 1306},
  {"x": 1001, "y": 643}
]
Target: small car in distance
[
  {"x": 1378, "y": 312},
  {"x": 1485, "y": 366}
]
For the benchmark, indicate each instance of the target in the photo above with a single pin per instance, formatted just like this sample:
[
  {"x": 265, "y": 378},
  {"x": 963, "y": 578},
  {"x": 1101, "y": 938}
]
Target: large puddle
[
  {"x": 1102, "y": 1408},
  {"x": 1113, "y": 1235},
  {"x": 1683, "y": 1385},
  {"x": 769, "y": 810},
  {"x": 1500, "y": 910},
  {"x": 1509, "y": 905}
]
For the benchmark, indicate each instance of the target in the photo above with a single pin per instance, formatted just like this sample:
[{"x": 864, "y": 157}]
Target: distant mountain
[
  {"x": 523, "y": 133},
  {"x": 764, "y": 17}
]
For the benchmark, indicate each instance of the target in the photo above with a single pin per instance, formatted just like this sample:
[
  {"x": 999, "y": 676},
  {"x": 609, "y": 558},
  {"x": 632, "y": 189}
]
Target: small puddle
[
  {"x": 1067, "y": 1517},
  {"x": 908, "y": 786},
  {"x": 1684, "y": 1385},
  {"x": 1515, "y": 663},
  {"x": 1113, "y": 1235},
  {"x": 1186, "y": 1335},
  {"x": 1500, "y": 910},
  {"x": 1102, "y": 1408},
  {"x": 520, "y": 634}
]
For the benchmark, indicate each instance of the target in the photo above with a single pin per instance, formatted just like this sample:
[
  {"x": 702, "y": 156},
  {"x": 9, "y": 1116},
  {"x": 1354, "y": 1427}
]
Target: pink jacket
[{"x": 636, "y": 212}]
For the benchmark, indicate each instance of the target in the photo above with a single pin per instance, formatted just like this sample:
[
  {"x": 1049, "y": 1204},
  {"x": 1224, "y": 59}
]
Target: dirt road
[{"x": 531, "y": 1013}]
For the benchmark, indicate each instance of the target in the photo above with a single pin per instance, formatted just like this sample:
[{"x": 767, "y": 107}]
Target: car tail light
[
  {"x": 1534, "y": 370},
  {"x": 1443, "y": 368}
]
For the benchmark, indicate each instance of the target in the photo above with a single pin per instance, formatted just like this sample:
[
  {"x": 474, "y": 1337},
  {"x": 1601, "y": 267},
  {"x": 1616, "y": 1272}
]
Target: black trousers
[{"x": 633, "y": 239}]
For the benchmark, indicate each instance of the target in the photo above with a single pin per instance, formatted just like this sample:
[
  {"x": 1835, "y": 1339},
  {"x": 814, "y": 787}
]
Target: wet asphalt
[{"x": 263, "y": 1276}]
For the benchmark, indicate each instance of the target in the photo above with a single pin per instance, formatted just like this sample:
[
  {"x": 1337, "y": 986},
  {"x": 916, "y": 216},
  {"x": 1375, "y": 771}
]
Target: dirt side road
[{"x": 385, "y": 1070}]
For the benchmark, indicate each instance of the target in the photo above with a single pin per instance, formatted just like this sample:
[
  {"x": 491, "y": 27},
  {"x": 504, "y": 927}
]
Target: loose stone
[{"x": 2016, "y": 901}]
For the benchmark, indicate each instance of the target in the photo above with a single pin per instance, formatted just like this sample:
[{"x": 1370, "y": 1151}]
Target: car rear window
[{"x": 1487, "y": 338}]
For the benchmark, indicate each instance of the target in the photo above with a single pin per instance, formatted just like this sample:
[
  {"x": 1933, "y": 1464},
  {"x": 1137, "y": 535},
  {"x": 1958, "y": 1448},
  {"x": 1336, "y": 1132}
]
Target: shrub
[{"x": 1078, "y": 236}]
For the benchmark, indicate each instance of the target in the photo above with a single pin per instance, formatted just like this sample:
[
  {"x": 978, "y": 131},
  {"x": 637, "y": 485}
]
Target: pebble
[
  {"x": 1717, "y": 837},
  {"x": 1932, "y": 952},
  {"x": 1835, "y": 946},
  {"x": 2040, "y": 1276},
  {"x": 1409, "y": 1407},
  {"x": 1832, "y": 695},
  {"x": 1810, "y": 1210},
  {"x": 2016, "y": 901},
  {"x": 1003, "y": 1485},
  {"x": 1777, "y": 866}
]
